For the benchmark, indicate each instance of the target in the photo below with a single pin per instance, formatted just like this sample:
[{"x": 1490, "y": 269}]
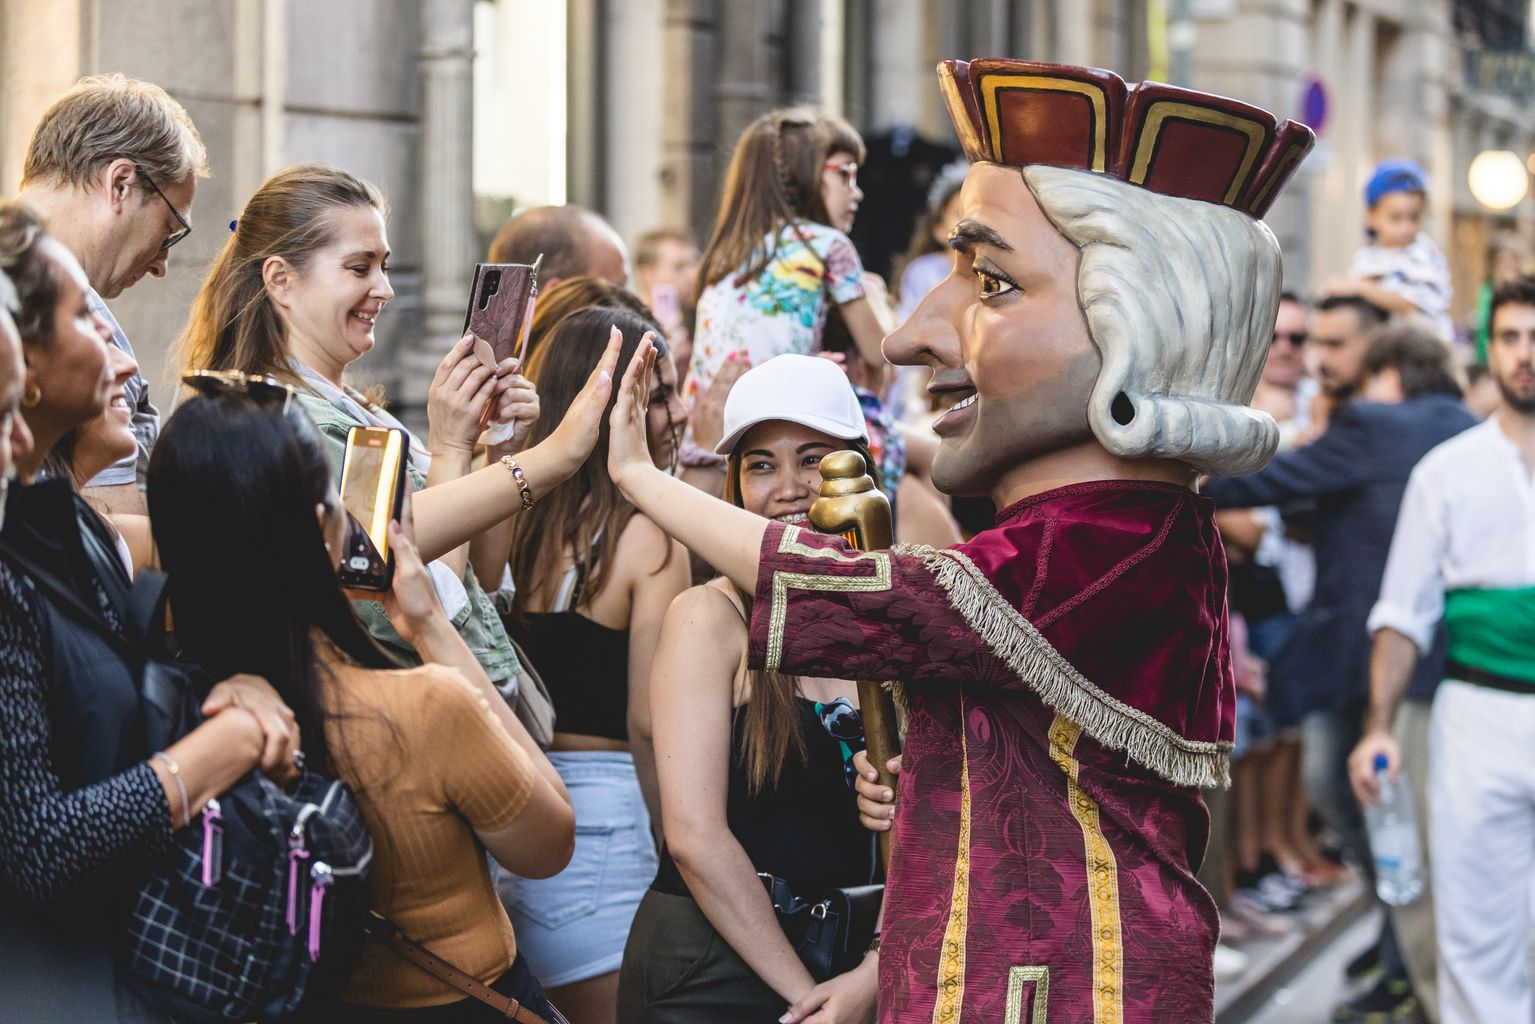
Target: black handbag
[{"x": 832, "y": 934}]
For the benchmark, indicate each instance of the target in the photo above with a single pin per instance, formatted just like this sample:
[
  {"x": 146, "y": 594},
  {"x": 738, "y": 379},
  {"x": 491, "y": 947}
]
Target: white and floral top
[{"x": 782, "y": 309}]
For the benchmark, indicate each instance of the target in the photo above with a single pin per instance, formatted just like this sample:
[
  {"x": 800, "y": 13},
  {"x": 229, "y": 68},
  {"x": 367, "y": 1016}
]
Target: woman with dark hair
[
  {"x": 755, "y": 768},
  {"x": 779, "y": 257},
  {"x": 594, "y": 579},
  {"x": 87, "y": 807},
  {"x": 250, "y": 529}
]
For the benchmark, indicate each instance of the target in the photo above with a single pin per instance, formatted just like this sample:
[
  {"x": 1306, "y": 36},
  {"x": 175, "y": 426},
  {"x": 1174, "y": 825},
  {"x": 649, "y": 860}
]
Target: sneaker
[
  {"x": 1364, "y": 965},
  {"x": 1229, "y": 963},
  {"x": 1391, "y": 1001}
]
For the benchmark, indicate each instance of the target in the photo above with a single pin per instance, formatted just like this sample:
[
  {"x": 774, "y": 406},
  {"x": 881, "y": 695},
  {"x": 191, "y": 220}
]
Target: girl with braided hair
[{"x": 778, "y": 257}]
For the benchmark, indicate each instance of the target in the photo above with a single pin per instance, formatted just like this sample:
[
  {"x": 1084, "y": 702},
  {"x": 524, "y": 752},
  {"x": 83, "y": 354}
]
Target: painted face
[
  {"x": 72, "y": 368},
  {"x": 1511, "y": 355},
  {"x": 947, "y": 219},
  {"x": 839, "y": 189},
  {"x": 1396, "y": 219},
  {"x": 15, "y": 439},
  {"x": 666, "y": 416},
  {"x": 330, "y": 306},
  {"x": 780, "y": 469},
  {"x": 140, "y": 230},
  {"x": 1286, "y": 359},
  {"x": 109, "y": 437},
  {"x": 1336, "y": 348},
  {"x": 1004, "y": 335}
]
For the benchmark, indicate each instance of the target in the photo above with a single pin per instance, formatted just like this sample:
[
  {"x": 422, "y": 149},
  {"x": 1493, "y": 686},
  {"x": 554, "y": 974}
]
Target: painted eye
[{"x": 991, "y": 285}]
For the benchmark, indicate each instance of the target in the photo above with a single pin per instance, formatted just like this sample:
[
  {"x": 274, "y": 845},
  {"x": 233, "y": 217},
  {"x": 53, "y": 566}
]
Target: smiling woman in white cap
[{"x": 753, "y": 767}]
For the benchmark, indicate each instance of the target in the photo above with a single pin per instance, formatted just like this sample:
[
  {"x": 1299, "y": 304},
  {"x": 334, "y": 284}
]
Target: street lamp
[{"x": 1498, "y": 179}]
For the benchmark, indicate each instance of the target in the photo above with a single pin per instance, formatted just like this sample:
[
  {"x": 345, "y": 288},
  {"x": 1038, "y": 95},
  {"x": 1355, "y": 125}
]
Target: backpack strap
[
  {"x": 383, "y": 930},
  {"x": 66, "y": 598}
]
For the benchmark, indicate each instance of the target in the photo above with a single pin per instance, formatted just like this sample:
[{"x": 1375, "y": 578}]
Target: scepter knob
[
  {"x": 844, "y": 473},
  {"x": 850, "y": 503}
]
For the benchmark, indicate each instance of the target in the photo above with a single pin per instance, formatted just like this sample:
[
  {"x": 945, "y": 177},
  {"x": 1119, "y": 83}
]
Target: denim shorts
[{"x": 573, "y": 926}]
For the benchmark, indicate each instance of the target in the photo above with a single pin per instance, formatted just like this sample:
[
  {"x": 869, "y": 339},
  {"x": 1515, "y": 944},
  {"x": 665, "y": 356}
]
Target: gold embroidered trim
[
  {"x": 1035, "y": 660},
  {"x": 783, "y": 582},
  {"x": 1102, "y": 881},
  {"x": 1018, "y": 977},
  {"x": 951, "y": 959}
]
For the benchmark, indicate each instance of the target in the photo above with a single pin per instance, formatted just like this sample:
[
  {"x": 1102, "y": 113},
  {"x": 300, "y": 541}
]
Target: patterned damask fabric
[{"x": 1038, "y": 875}]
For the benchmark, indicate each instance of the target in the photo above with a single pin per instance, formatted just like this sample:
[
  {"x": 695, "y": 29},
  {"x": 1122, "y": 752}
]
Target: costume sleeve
[
  {"x": 1412, "y": 590},
  {"x": 824, "y": 609},
  {"x": 484, "y": 774},
  {"x": 844, "y": 270},
  {"x": 1336, "y": 461},
  {"x": 52, "y": 841}
]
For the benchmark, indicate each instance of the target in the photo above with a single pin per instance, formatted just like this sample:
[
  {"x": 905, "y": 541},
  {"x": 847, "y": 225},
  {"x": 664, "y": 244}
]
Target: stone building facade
[{"x": 461, "y": 109}]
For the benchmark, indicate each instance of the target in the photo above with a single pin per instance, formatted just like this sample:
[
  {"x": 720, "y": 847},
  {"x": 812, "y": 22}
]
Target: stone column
[{"x": 446, "y": 190}]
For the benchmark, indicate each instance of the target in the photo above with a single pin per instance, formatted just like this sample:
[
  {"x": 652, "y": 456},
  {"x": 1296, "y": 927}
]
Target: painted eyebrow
[{"x": 970, "y": 232}]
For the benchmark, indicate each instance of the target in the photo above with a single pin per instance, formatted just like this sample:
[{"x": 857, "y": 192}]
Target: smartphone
[
  {"x": 372, "y": 493},
  {"x": 501, "y": 309}
]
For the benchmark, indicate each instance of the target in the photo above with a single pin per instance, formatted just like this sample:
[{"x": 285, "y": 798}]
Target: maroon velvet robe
[{"x": 1069, "y": 682}]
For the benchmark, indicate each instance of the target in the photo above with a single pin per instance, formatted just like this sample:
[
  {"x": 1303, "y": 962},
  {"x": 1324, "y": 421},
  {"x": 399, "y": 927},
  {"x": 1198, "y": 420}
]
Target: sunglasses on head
[{"x": 259, "y": 387}]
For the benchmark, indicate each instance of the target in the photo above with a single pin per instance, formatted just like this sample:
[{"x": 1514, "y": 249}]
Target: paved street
[{"x": 1308, "y": 998}]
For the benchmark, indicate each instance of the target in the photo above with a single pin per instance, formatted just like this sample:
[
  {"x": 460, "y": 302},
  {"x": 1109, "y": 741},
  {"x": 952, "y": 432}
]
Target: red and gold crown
[{"x": 1179, "y": 142}]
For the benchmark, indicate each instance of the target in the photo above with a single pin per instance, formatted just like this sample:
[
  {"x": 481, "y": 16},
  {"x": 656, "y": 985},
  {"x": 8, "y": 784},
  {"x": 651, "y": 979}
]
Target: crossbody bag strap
[
  {"x": 67, "y": 599},
  {"x": 384, "y": 930}
]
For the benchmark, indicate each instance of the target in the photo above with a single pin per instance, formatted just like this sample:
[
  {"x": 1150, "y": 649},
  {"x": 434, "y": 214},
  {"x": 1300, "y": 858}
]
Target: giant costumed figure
[{"x": 1067, "y": 674}]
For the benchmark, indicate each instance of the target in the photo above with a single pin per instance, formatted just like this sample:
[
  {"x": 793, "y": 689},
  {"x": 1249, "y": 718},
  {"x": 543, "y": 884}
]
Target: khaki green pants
[{"x": 678, "y": 970}]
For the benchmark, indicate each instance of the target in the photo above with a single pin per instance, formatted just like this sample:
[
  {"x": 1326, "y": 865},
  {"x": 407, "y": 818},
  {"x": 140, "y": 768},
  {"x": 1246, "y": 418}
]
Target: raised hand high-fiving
[
  {"x": 573, "y": 440},
  {"x": 628, "y": 446}
]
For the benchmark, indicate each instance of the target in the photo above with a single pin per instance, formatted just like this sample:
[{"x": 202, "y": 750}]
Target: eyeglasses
[
  {"x": 1296, "y": 338},
  {"x": 181, "y": 232},
  {"x": 844, "y": 724},
  {"x": 259, "y": 387},
  {"x": 847, "y": 171}
]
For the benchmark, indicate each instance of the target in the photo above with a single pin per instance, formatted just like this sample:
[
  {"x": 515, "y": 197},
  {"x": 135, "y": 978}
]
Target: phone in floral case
[{"x": 501, "y": 309}]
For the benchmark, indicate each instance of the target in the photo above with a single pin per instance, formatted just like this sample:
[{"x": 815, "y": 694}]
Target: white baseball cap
[{"x": 800, "y": 389}]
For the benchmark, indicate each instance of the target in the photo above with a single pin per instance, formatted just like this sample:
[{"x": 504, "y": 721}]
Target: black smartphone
[
  {"x": 501, "y": 309},
  {"x": 372, "y": 493}
]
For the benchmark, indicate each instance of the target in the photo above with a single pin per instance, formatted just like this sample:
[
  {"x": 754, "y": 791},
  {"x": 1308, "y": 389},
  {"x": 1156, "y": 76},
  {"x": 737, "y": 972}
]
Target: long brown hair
[
  {"x": 774, "y": 179},
  {"x": 570, "y": 294},
  {"x": 570, "y": 516},
  {"x": 771, "y": 729},
  {"x": 233, "y": 324}
]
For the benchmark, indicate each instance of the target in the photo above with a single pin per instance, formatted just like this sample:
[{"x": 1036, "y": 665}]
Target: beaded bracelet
[
  {"x": 181, "y": 787},
  {"x": 522, "y": 481}
]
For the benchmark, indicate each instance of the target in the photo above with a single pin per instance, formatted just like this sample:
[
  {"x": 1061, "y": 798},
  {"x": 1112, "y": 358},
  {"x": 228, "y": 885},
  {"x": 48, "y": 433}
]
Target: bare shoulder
[
  {"x": 712, "y": 607},
  {"x": 645, "y": 546}
]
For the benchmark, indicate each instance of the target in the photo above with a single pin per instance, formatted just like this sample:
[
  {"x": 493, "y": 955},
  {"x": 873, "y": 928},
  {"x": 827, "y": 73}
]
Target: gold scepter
[{"x": 852, "y": 506}]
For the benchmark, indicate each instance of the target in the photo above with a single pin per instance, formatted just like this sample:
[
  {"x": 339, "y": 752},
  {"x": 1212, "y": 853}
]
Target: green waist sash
[{"x": 1493, "y": 630}]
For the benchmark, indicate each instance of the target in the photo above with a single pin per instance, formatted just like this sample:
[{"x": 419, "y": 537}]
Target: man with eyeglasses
[{"x": 113, "y": 167}]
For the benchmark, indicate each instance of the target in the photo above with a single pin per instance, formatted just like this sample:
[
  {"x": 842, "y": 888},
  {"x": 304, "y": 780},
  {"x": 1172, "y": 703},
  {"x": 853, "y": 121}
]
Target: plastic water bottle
[{"x": 1394, "y": 840}]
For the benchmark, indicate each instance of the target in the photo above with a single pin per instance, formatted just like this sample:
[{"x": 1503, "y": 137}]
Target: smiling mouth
[
  {"x": 793, "y": 518},
  {"x": 367, "y": 318}
]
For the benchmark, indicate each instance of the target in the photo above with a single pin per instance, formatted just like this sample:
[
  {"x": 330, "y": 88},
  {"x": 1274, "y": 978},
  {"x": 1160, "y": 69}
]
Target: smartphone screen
[{"x": 372, "y": 487}]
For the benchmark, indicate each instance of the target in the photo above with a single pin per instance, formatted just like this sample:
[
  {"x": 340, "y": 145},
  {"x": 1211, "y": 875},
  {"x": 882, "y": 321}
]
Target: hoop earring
[{"x": 31, "y": 396}]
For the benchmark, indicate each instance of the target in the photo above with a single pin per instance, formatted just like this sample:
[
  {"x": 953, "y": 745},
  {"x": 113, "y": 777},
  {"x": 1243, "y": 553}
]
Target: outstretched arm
[{"x": 728, "y": 538}]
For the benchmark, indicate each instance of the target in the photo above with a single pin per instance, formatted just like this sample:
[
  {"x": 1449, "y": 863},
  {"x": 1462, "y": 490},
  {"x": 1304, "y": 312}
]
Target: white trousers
[{"x": 1482, "y": 824}]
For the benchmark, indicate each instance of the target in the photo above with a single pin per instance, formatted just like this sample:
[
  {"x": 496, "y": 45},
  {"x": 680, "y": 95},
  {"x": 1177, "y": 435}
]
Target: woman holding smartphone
[
  {"x": 442, "y": 769},
  {"x": 86, "y": 804},
  {"x": 594, "y": 579},
  {"x": 294, "y": 294},
  {"x": 755, "y": 768}
]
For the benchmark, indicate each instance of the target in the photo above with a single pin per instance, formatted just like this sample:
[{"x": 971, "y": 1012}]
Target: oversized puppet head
[{"x": 1115, "y": 283}]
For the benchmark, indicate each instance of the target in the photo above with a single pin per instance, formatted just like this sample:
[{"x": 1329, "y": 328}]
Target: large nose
[
  {"x": 124, "y": 366},
  {"x": 931, "y": 335},
  {"x": 383, "y": 290}
]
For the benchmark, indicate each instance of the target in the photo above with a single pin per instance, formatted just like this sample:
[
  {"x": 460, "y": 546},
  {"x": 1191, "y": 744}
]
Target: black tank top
[
  {"x": 584, "y": 664},
  {"x": 805, "y": 830}
]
